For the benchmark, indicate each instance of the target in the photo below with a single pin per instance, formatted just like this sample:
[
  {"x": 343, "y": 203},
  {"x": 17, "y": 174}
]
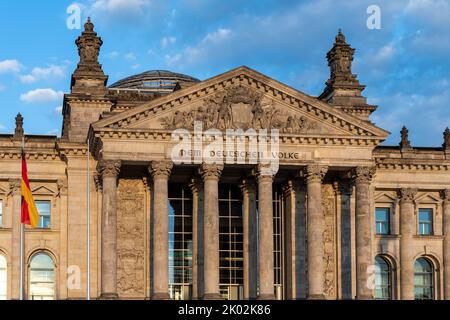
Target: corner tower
[{"x": 343, "y": 89}]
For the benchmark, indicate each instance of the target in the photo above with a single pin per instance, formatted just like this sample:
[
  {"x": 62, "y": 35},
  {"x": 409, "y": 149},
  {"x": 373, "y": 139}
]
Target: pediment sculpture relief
[{"x": 239, "y": 107}]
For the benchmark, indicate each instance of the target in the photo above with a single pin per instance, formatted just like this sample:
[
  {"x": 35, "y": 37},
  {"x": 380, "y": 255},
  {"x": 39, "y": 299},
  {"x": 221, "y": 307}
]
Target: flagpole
[
  {"x": 88, "y": 223},
  {"x": 22, "y": 240}
]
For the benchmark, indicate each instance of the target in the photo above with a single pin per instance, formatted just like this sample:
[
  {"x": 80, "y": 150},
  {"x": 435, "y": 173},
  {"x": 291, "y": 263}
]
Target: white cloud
[
  {"x": 2, "y": 87},
  {"x": 7, "y": 66},
  {"x": 130, "y": 56},
  {"x": 217, "y": 36},
  {"x": 166, "y": 41},
  {"x": 2, "y": 127},
  {"x": 41, "y": 95},
  {"x": 119, "y": 7},
  {"x": 38, "y": 73},
  {"x": 58, "y": 110},
  {"x": 113, "y": 54}
]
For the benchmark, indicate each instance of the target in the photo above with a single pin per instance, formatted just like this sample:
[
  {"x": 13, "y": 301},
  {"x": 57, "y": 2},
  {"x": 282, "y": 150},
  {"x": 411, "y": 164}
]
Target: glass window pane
[
  {"x": 42, "y": 278},
  {"x": 423, "y": 279},
  {"x": 382, "y": 220},
  {"x": 425, "y": 221},
  {"x": 43, "y": 208}
]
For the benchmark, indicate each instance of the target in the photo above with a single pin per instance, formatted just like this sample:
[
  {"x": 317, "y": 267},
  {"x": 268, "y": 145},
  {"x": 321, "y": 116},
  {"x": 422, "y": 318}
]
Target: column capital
[
  {"x": 407, "y": 194},
  {"x": 263, "y": 172},
  {"x": 160, "y": 169},
  {"x": 247, "y": 186},
  {"x": 314, "y": 172},
  {"x": 343, "y": 187},
  {"x": 14, "y": 185},
  {"x": 445, "y": 194},
  {"x": 210, "y": 171},
  {"x": 363, "y": 174},
  {"x": 196, "y": 185},
  {"x": 109, "y": 168}
]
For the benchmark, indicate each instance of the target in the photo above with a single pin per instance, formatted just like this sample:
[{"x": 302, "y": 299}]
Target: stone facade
[{"x": 333, "y": 172}]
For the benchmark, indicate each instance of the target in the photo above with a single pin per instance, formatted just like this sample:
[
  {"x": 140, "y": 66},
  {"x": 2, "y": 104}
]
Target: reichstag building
[{"x": 340, "y": 217}]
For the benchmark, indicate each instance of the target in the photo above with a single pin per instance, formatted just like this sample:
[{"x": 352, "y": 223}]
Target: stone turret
[
  {"x": 343, "y": 89},
  {"x": 88, "y": 98},
  {"x": 89, "y": 77}
]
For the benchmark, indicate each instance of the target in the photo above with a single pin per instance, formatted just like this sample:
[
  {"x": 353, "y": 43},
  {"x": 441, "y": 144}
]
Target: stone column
[
  {"x": 250, "y": 239},
  {"x": 14, "y": 186},
  {"x": 292, "y": 240},
  {"x": 197, "y": 237},
  {"x": 109, "y": 170},
  {"x": 362, "y": 179},
  {"x": 446, "y": 249},
  {"x": 264, "y": 176},
  {"x": 211, "y": 174},
  {"x": 315, "y": 228},
  {"x": 407, "y": 228},
  {"x": 160, "y": 171}
]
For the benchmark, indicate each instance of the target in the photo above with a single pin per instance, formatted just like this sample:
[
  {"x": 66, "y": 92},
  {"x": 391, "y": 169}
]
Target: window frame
[
  {"x": 432, "y": 275},
  {"x": 55, "y": 273},
  {"x": 50, "y": 202},
  {"x": 389, "y": 217},
  {"x": 431, "y": 223},
  {"x": 390, "y": 273}
]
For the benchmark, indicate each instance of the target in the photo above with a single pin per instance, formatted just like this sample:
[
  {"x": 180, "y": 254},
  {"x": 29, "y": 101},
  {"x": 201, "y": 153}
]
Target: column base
[
  {"x": 160, "y": 296},
  {"x": 316, "y": 297},
  {"x": 212, "y": 296},
  {"x": 266, "y": 296},
  {"x": 109, "y": 296}
]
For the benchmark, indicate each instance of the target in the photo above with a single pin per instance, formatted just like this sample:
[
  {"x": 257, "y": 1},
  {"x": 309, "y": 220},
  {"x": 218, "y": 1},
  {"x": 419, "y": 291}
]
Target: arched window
[
  {"x": 42, "y": 277},
  {"x": 423, "y": 280},
  {"x": 383, "y": 279},
  {"x": 3, "y": 277}
]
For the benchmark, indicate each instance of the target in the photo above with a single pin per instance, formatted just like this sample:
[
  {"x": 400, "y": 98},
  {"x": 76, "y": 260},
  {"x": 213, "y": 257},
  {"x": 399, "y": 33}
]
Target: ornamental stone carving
[
  {"x": 131, "y": 238},
  {"x": 363, "y": 174},
  {"x": 109, "y": 168},
  {"x": 88, "y": 49},
  {"x": 239, "y": 107},
  {"x": 264, "y": 172},
  {"x": 407, "y": 194},
  {"x": 210, "y": 171},
  {"x": 160, "y": 169},
  {"x": 314, "y": 173},
  {"x": 445, "y": 194},
  {"x": 329, "y": 241}
]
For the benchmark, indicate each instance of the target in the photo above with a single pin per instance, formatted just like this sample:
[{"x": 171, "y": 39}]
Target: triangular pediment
[
  {"x": 42, "y": 190},
  {"x": 242, "y": 99}
]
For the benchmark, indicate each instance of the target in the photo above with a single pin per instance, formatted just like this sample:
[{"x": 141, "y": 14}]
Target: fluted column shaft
[
  {"x": 264, "y": 178},
  {"x": 160, "y": 172},
  {"x": 407, "y": 227},
  {"x": 363, "y": 177},
  {"x": 446, "y": 196},
  {"x": 210, "y": 175},
  {"x": 250, "y": 239},
  {"x": 315, "y": 228},
  {"x": 197, "y": 237},
  {"x": 109, "y": 171}
]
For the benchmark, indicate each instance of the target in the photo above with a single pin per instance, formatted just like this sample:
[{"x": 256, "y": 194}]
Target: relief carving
[
  {"x": 329, "y": 241},
  {"x": 239, "y": 107},
  {"x": 131, "y": 238}
]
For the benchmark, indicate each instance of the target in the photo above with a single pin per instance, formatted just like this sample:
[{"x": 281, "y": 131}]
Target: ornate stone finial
[
  {"x": 109, "y": 168},
  {"x": 160, "y": 169},
  {"x": 404, "y": 143},
  {"x": 19, "y": 132},
  {"x": 446, "y": 144},
  {"x": 407, "y": 194},
  {"x": 340, "y": 38},
  {"x": 88, "y": 49},
  {"x": 314, "y": 173},
  {"x": 210, "y": 171},
  {"x": 363, "y": 174}
]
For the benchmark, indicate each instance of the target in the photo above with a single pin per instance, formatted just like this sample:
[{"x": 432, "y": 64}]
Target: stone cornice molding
[
  {"x": 363, "y": 175},
  {"x": 160, "y": 169},
  {"x": 314, "y": 173},
  {"x": 407, "y": 195},
  {"x": 109, "y": 168},
  {"x": 211, "y": 171},
  {"x": 393, "y": 164}
]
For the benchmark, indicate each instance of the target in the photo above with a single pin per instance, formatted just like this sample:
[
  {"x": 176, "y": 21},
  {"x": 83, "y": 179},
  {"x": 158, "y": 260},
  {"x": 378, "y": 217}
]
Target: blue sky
[{"x": 405, "y": 64}]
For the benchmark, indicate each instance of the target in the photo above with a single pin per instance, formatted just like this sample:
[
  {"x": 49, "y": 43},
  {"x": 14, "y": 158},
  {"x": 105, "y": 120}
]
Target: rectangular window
[
  {"x": 382, "y": 220},
  {"x": 43, "y": 208},
  {"x": 1, "y": 214},
  {"x": 425, "y": 222}
]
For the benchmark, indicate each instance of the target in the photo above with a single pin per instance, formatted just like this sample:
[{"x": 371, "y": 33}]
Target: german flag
[{"x": 30, "y": 215}]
